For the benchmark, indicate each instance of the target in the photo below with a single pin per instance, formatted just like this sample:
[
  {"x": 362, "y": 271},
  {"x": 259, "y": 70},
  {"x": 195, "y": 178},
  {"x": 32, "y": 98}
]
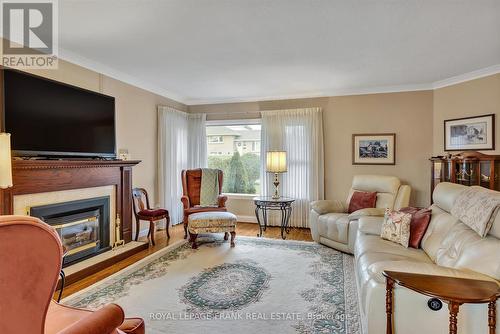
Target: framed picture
[
  {"x": 470, "y": 133},
  {"x": 374, "y": 149}
]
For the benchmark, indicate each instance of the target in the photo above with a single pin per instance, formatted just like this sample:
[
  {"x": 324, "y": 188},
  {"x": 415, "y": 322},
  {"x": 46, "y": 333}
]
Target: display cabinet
[{"x": 467, "y": 168}]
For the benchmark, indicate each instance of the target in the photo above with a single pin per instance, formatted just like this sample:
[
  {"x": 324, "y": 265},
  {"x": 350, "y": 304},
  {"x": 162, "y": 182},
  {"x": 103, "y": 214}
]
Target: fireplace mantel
[{"x": 39, "y": 176}]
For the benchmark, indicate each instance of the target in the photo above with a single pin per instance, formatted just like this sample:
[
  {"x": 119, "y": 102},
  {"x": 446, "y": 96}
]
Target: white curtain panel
[
  {"x": 182, "y": 144},
  {"x": 299, "y": 132}
]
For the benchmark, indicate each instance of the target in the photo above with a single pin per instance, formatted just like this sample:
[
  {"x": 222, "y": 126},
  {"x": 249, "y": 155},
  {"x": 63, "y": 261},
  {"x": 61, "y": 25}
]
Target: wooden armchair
[
  {"x": 143, "y": 211},
  {"x": 191, "y": 186}
]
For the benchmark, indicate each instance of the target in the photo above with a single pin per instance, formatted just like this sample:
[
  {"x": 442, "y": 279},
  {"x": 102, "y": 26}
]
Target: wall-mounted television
[{"x": 48, "y": 118}]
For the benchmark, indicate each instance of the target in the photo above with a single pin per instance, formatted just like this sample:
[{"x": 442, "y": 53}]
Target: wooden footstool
[{"x": 211, "y": 222}]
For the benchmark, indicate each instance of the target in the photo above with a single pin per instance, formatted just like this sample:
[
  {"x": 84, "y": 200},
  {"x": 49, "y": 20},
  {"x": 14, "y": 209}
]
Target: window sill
[{"x": 240, "y": 196}]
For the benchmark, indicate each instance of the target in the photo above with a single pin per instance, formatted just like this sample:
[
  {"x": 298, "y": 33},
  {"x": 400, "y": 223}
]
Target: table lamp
[
  {"x": 276, "y": 163},
  {"x": 5, "y": 161}
]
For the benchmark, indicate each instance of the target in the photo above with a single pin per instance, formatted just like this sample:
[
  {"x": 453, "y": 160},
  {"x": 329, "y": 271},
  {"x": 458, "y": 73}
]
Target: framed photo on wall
[
  {"x": 470, "y": 133},
  {"x": 374, "y": 149}
]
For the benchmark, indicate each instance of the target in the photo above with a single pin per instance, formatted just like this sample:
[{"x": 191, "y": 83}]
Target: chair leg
[
  {"x": 192, "y": 239},
  {"x": 226, "y": 235},
  {"x": 185, "y": 230},
  {"x": 168, "y": 225},
  {"x": 152, "y": 231},
  {"x": 233, "y": 235},
  {"x": 137, "y": 226}
]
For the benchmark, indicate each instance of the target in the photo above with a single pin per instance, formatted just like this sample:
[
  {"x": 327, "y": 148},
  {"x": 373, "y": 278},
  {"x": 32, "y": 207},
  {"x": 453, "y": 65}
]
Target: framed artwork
[
  {"x": 470, "y": 133},
  {"x": 374, "y": 149}
]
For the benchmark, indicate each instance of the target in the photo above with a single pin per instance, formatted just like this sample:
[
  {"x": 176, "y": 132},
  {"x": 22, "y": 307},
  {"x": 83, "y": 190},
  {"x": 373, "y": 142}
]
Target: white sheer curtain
[
  {"x": 299, "y": 132},
  {"x": 182, "y": 144}
]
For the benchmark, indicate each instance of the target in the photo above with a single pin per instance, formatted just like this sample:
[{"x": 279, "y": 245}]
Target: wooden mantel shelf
[
  {"x": 38, "y": 176},
  {"x": 50, "y": 164}
]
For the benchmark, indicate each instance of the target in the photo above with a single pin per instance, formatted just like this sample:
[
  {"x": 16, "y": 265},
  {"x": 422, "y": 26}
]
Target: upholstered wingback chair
[
  {"x": 332, "y": 225},
  {"x": 191, "y": 186},
  {"x": 30, "y": 262}
]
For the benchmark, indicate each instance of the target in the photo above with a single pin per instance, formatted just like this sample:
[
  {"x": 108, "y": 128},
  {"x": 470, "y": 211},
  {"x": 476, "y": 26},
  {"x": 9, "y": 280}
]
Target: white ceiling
[{"x": 207, "y": 51}]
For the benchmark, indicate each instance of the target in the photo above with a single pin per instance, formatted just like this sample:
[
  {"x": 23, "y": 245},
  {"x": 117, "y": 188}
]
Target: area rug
[{"x": 259, "y": 286}]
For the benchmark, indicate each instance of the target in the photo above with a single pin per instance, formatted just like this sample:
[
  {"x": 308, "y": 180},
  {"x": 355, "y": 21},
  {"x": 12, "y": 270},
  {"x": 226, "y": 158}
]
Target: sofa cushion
[
  {"x": 362, "y": 200},
  {"x": 439, "y": 226},
  {"x": 445, "y": 194},
  {"x": 378, "y": 249},
  {"x": 386, "y": 188},
  {"x": 463, "y": 248},
  {"x": 377, "y": 212},
  {"x": 370, "y": 225},
  {"x": 334, "y": 226}
]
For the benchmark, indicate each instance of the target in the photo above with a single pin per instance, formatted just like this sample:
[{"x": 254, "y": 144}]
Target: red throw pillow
[
  {"x": 362, "y": 200},
  {"x": 420, "y": 219}
]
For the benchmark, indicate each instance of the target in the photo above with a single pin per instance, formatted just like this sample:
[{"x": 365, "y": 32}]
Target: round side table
[{"x": 265, "y": 203}]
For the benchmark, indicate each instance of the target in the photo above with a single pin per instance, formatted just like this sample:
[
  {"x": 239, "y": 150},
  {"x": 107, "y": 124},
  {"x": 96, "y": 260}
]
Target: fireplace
[{"x": 82, "y": 225}]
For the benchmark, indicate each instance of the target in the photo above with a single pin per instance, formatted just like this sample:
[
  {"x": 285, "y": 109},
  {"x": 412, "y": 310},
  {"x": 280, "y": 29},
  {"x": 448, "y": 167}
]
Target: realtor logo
[{"x": 29, "y": 30}]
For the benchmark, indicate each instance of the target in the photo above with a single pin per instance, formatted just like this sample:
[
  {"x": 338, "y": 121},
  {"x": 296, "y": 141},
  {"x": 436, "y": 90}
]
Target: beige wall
[
  {"x": 471, "y": 98},
  {"x": 136, "y": 119},
  {"x": 409, "y": 115}
]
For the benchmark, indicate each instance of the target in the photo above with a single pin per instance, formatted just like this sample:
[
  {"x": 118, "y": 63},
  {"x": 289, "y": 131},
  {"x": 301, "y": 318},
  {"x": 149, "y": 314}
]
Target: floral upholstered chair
[{"x": 191, "y": 188}]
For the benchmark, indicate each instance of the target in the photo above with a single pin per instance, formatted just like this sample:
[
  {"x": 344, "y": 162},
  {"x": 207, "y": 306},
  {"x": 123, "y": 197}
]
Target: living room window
[{"x": 234, "y": 147}]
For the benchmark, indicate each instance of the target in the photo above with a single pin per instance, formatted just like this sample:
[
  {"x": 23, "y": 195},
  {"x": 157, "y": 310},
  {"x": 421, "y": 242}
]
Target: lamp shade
[
  {"x": 276, "y": 162},
  {"x": 5, "y": 161}
]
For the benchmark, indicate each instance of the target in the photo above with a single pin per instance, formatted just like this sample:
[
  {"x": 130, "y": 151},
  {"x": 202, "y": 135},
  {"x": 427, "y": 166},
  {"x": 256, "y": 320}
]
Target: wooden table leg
[
  {"x": 388, "y": 303},
  {"x": 453, "y": 307},
  {"x": 492, "y": 316}
]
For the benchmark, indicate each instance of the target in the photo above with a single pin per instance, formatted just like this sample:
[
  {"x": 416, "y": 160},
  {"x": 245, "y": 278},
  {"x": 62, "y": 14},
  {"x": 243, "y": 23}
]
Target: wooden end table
[{"x": 452, "y": 290}]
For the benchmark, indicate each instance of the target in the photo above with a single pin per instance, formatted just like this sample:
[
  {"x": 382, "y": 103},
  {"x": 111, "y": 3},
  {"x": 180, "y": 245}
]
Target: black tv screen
[{"x": 48, "y": 118}]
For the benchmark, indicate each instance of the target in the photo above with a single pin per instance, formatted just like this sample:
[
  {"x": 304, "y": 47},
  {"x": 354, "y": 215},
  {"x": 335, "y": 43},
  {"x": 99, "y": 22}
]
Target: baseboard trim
[{"x": 246, "y": 219}]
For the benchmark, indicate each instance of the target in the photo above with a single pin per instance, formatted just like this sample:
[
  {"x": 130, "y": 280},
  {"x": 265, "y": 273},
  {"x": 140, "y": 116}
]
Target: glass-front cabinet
[{"x": 467, "y": 168}]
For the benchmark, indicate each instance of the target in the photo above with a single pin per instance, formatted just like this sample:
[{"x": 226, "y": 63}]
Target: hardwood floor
[{"x": 177, "y": 233}]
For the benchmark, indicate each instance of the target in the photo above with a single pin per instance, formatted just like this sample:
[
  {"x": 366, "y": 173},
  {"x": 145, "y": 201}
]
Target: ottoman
[{"x": 211, "y": 222}]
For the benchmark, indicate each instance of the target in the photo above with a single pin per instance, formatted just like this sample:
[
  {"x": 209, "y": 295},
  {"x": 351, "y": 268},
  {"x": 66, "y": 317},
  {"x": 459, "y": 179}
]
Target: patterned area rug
[{"x": 260, "y": 286}]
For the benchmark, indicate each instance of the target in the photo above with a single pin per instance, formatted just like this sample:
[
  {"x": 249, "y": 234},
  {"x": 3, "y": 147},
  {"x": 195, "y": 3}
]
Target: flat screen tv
[{"x": 48, "y": 118}]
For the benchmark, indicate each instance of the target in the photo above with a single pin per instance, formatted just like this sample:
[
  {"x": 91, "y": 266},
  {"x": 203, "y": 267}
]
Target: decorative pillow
[
  {"x": 396, "y": 227},
  {"x": 420, "y": 219},
  {"x": 362, "y": 200}
]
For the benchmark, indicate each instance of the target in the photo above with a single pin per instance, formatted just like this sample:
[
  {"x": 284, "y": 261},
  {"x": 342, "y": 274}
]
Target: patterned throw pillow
[{"x": 396, "y": 227}]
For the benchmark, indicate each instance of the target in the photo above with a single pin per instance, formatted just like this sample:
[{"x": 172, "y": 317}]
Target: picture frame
[
  {"x": 476, "y": 133},
  {"x": 374, "y": 149}
]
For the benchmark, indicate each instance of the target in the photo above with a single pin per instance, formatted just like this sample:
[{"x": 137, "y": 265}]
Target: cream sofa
[
  {"x": 332, "y": 226},
  {"x": 449, "y": 248}
]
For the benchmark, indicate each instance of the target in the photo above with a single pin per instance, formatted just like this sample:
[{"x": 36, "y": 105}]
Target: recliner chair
[{"x": 332, "y": 226}]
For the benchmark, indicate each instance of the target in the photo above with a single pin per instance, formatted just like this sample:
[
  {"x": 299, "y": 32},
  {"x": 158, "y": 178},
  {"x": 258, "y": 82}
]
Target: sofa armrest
[
  {"x": 370, "y": 225},
  {"x": 185, "y": 202},
  {"x": 375, "y": 212},
  {"x": 326, "y": 206},
  {"x": 104, "y": 320},
  {"x": 221, "y": 201}
]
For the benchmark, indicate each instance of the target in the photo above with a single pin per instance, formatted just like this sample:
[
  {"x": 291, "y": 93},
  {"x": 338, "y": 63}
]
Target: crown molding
[
  {"x": 121, "y": 76},
  {"x": 344, "y": 92},
  {"x": 484, "y": 72},
  {"x": 118, "y": 75}
]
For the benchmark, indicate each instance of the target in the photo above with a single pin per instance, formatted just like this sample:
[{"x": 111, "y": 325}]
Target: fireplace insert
[{"x": 82, "y": 225}]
